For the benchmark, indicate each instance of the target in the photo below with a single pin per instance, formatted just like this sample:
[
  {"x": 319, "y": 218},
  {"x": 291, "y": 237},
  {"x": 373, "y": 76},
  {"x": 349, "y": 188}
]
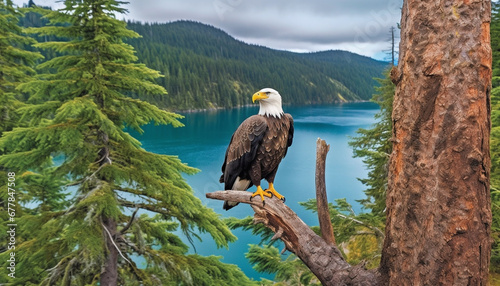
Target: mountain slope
[{"x": 204, "y": 67}]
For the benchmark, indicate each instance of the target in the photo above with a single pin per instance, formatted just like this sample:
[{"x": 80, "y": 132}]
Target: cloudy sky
[{"x": 359, "y": 26}]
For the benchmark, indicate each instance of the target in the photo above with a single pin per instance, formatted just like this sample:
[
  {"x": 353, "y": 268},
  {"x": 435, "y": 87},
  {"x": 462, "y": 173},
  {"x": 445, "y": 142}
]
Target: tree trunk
[
  {"x": 438, "y": 199},
  {"x": 109, "y": 275}
]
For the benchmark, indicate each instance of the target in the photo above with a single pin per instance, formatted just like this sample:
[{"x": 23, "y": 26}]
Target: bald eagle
[{"x": 257, "y": 148}]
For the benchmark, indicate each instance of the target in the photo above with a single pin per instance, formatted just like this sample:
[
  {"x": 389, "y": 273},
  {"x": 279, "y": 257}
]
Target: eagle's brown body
[{"x": 255, "y": 152}]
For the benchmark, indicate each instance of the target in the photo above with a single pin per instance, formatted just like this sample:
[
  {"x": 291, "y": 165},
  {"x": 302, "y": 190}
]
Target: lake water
[{"x": 202, "y": 144}]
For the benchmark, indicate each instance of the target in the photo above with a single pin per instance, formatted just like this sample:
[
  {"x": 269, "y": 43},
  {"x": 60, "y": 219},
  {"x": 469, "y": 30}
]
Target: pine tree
[
  {"x": 495, "y": 138},
  {"x": 125, "y": 201},
  {"x": 16, "y": 67},
  {"x": 363, "y": 233},
  {"x": 16, "y": 64},
  {"x": 374, "y": 146}
]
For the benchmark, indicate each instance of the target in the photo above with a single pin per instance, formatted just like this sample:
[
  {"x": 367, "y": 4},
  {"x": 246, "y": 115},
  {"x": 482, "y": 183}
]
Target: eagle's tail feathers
[{"x": 239, "y": 185}]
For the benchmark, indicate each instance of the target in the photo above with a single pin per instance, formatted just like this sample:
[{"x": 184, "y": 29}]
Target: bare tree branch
[
  {"x": 322, "y": 257},
  {"x": 325, "y": 223}
]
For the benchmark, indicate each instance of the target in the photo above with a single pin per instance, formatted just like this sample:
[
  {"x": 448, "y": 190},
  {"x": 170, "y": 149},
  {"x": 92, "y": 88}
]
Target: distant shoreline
[{"x": 196, "y": 110}]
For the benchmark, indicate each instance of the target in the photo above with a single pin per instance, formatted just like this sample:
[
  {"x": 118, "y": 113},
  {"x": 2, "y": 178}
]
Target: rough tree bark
[
  {"x": 109, "y": 272},
  {"x": 109, "y": 275},
  {"x": 438, "y": 199}
]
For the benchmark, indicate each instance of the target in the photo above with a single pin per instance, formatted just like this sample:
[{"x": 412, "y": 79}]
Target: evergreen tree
[
  {"x": 374, "y": 146},
  {"x": 125, "y": 201},
  {"x": 16, "y": 67},
  {"x": 16, "y": 64},
  {"x": 360, "y": 235},
  {"x": 495, "y": 138},
  {"x": 363, "y": 233}
]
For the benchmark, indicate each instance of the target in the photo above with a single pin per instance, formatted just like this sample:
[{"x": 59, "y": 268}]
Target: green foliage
[
  {"x": 293, "y": 271},
  {"x": 361, "y": 235},
  {"x": 495, "y": 137},
  {"x": 374, "y": 146},
  {"x": 266, "y": 258},
  {"x": 257, "y": 229},
  {"x": 205, "y": 67},
  {"x": 16, "y": 67},
  {"x": 16, "y": 64},
  {"x": 43, "y": 190},
  {"x": 73, "y": 133},
  {"x": 170, "y": 264}
]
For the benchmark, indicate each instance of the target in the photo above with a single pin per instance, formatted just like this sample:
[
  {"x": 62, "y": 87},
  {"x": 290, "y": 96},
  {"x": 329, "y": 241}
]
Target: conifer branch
[
  {"x": 75, "y": 183},
  {"x": 148, "y": 207},
  {"x": 86, "y": 178},
  {"x": 93, "y": 175},
  {"x": 58, "y": 269},
  {"x": 134, "y": 246},
  {"x": 129, "y": 224},
  {"x": 376, "y": 230},
  {"x": 150, "y": 198}
]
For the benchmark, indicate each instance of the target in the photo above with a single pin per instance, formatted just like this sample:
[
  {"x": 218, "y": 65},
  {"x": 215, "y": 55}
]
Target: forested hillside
[{"x": 204, "y": 67}]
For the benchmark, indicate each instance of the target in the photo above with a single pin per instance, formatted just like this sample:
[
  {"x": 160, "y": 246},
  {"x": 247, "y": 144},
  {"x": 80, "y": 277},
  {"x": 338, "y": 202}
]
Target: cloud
[{"x": 360, "y": 26}]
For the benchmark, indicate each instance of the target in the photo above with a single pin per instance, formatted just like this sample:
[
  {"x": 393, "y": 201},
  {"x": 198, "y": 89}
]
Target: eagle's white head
[{"x": 270, "y": 102}]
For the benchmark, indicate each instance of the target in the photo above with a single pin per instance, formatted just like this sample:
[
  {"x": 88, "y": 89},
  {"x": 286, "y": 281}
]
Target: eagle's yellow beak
[{"x": 258, "y": 96}]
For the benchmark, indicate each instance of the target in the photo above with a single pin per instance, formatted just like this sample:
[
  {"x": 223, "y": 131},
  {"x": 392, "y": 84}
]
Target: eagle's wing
[
  {"x": 242, "y": 149},
  {"x": 291, "y": 130}
]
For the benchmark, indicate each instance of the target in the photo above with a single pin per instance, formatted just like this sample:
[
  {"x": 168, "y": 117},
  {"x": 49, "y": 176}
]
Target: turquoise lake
[{"x": 202, "y": 144}]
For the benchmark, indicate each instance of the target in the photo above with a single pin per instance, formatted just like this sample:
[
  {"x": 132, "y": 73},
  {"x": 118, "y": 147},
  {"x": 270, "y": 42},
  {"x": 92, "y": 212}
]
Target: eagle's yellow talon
[
  {"x": 274, "y": 192},
  {"x": 260, "y": 192}
]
